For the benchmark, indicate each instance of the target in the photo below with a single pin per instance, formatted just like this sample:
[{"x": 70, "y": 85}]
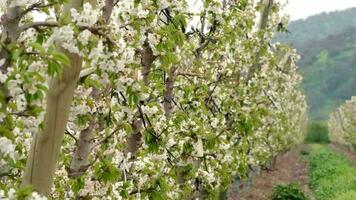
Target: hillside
[
  {"x": 327, "y": 45},
  {"x": 318, "y": 27}
]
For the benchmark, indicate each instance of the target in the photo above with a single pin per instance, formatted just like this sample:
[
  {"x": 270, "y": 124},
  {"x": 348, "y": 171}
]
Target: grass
[{"x": 332, "y": 176}]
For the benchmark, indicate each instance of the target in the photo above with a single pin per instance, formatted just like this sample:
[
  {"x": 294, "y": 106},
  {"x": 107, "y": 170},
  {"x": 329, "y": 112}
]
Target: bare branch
[
  {"x": 107, "y": 9},
  {"x": 67, "y": 132},
  {"x": 107, "y": 137},
  {"x": 187, "y": 74},
  {"x": 36, "y": 6},
  {"x": 37, "y": 25}
]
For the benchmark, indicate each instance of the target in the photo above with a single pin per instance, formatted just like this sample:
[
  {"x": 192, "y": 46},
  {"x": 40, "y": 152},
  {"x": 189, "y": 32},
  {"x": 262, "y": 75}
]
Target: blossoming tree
[
  {"x": 142, "y": 98},
  {"x": 342, "y": 124}
]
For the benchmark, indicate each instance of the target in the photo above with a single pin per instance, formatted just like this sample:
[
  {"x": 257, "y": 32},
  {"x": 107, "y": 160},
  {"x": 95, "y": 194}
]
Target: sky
[{"x": 300, "y": 9}]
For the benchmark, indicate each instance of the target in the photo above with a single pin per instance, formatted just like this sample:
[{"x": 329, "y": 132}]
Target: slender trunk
[
  {"x": 146, "y": 61},
  {"x": 10, "y": 23},
  {"x": 45, "y": 147},
  {"x": 107, "y": 10},
  {"x": 168, "y": 93},
  {"x": 267, "y": 6},
  {"x": 135, "y": 139},
  {"x": 265, "y": 13},
  {"x": 80, "y": 159},
  {"x": 11, "y": 32}
]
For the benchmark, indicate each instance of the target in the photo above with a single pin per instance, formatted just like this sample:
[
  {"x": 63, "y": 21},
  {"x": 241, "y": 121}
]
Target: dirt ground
[{"x": 289, "y": 168}]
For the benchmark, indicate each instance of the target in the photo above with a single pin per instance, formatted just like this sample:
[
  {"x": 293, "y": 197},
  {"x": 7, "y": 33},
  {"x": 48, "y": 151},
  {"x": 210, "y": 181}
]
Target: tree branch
[
  {"x": 37, "y": 25},
  {"x": 36, "y": 6}
]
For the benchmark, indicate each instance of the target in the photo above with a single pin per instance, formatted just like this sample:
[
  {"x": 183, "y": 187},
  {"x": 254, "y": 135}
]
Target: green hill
[
  {"x": 318, "y": 27},
  {"x": 327, "y": 45}
]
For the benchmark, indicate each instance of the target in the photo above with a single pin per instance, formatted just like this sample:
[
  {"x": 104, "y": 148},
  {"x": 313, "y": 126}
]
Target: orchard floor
[
  {"x": 350, "y": 154},
  {"x": 289, "y": 168}
]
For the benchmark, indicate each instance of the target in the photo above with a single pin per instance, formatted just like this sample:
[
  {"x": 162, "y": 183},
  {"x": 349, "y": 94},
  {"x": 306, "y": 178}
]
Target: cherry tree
[
  {"x": 142, "y": 99},
  {"x": 342, "y": 124}
]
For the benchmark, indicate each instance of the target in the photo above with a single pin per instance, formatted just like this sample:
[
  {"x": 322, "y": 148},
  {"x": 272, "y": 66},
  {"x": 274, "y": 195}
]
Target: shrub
[
  {"x": 317, "y": 132},
  {"x": 289, "y": 191}
]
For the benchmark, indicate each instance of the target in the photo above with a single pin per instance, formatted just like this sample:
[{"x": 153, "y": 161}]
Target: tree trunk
[
  {"x": 267, "y": 6},
  {"x": 80, "y": 159},
  {"x": 45, "y": 147},
  {"x": 11, "y": 32},
  {"x": 135, "y": 139},
  {"x": 168, "y": 93}
]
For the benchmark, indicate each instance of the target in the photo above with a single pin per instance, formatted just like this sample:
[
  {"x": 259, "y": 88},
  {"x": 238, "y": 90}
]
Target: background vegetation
[
  {"x": 317, "y": 132},
  {"x": 328, "y": 63}
]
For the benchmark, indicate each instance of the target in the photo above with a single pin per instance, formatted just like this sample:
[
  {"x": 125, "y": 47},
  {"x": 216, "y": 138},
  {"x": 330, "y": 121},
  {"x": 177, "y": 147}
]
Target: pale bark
[
  {"x": 10, "y": 23},
  {"x": 107, "y": 10},
  {"x": 10, "y": 33},
  {"x": 135, "y": 139},
  {"x": 146, "y": 61},
  {"x": 46, "y": 144},
  {"x": 168, "y": 93},
  {"x": 267, "y": 6},
  {"x": 80, "y": 159},
  {"x": 45, "y": 147}
]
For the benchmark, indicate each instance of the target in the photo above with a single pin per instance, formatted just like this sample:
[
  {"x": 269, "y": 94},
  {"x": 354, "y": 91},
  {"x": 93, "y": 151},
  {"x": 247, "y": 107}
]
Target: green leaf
[
  {"x": 61, "y": 57},
  {"x": 151, "y": 141},
  {"x": 54, "y": 68},
  {"x": 127, "y": 127},
  {"x": 108, "y": 172},
  {"x": 38, "y": 47},
  {"x": 155, "y": 195},
  {"x": 23, "y": 192},
  {"x": 78, "y": 185},
  {"x": 16, "y": 54},
  {"x": 6, "y": 133},
  {"x": 41, "y": 87},
  {"x": 137, "y": 2}
]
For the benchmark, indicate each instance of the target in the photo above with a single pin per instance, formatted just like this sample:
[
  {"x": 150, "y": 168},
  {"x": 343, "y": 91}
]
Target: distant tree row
[{"x": 342, "y": 124}]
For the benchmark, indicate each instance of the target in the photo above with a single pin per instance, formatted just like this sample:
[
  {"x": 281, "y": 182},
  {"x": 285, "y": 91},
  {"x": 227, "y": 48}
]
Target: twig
[
  {"x": 107, "y": 137},
  {"x": 36, "y": 25},
  {"x": 36, "y": 6},
  {"x": 67, "y": 132}
]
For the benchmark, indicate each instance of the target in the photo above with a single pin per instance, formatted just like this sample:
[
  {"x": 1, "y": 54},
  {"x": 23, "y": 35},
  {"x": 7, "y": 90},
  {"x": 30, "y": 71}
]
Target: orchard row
[{"x": 142, "y": 99}]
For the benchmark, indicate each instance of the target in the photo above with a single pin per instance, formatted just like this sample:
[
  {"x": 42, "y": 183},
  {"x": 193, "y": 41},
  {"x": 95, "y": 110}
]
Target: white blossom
[
  {"x": 3, "y": 77},
  {"x": 88, "y": 17},
  {"x": 21, "y": 3},
  {"x": 2, "y": 62},
  {"x": 142, "y": 13},
  {"x": 36, "y": 196},
  {"x": 84, "y": 37},
  {"x": 65, "y": 37},
  {"x": 7, "y": 148}
]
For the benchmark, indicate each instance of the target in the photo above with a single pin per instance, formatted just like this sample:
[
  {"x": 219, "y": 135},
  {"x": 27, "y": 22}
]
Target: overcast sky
[{"x": 299, "y": 9}]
